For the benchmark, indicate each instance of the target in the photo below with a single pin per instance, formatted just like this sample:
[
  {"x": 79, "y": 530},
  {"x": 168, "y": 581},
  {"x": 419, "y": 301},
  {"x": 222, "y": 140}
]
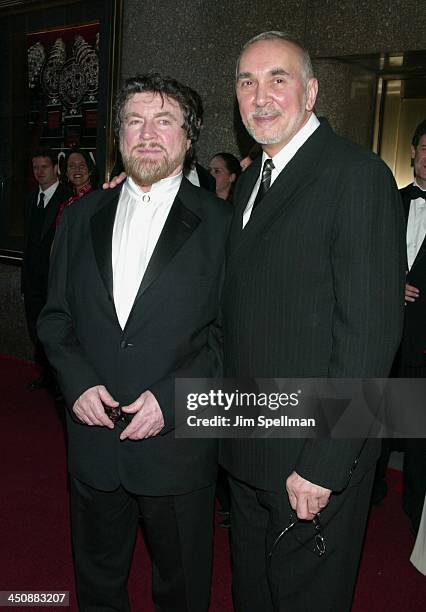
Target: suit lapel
[
  {"x": 102, "y": 225},
  {"x": 31, "y": 206},
  {"x": 52, "y": 209},
  {"x": 406, "y": 200},
  {"x": 420, "y": 254},
  {"x": 180, "y": 224},
  {"x": 287, "y": 189},
  {"x": 244, "y": 189}
]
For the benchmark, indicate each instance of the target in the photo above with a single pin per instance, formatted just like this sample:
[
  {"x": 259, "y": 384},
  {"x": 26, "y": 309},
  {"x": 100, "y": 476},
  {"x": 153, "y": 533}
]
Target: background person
[
  {"x": 40, "y": 213},
  {"x": 254, "y": 152},
  {"x": 82, "y": 177},
  {"x": 225, "y": 169},
  {"x": 411, "y": 359}
]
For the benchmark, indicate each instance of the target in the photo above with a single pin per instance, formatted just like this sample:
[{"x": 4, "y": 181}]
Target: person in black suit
[
  {"x": 40, "y": 213},
  {"x": 314, "y": 287},
  {"x": 133, "y": 300},
  {"x": 411, "y": 360}
]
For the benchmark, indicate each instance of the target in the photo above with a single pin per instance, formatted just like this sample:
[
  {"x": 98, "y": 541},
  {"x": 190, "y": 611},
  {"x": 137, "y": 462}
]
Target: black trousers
[
  {"x": 295, "y": 579},
  {"x": 414, "y": 469},
  {"x": 414, "y": 474},
  {"x": 179, "y": 533},
  {"x": 34, "y": 301}
]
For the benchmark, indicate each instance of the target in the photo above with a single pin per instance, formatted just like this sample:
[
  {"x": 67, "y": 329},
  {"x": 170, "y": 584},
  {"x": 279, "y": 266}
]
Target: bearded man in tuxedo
[{"x": 133, "y": 300}]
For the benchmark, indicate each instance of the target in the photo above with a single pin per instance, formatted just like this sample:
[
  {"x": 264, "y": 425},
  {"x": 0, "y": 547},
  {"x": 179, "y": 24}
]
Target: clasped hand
[{"x": 147, "y": 422}]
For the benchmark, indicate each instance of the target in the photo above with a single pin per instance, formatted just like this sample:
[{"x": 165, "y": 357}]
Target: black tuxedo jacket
[
  {"x": 314, "y": 288},
  {"x": 35, "y": 265},
  {"x": 413, "y": 343},
  {"x": 171, "y": 331}
]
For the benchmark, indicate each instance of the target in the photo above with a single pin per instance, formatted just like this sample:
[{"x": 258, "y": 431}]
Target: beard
[
  {"x": 145, "y": 170},
  {"x": 282, "y": 133}
]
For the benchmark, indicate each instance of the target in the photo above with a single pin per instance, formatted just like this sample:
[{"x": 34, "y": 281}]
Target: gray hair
[{"x": 307, "y": 68}]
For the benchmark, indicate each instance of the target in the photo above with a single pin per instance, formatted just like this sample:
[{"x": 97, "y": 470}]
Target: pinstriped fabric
[{"x": 314, "y": 288}]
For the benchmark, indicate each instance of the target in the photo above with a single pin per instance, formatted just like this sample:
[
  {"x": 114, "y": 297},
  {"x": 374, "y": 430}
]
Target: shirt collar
[
  {"x": 417, "y": 185},
  {"x": 282, "y": 158},
  {"x": 48, "y": 193},
  {"x": 160, "y": 190},
  {"x": 192, "y": 175}
]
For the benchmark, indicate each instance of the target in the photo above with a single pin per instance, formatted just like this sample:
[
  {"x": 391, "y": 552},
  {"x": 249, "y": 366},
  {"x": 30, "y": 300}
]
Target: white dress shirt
[
  {"x": 47, "y": 194},
  {"x": 416, "y": 227},
  {"x": 138, "y": 223},
  {"x": 281, "y": 159}
]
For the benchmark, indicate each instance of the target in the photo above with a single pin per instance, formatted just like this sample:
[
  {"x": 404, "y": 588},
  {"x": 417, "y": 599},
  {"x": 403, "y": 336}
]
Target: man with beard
[
  {"x": 314, "y": 288},
  {"x": 133, "y": 298}
]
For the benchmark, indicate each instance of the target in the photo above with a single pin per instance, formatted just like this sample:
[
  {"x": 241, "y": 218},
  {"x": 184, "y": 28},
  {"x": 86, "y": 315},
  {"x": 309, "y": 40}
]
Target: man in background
[
  {"x": 41, "y": 209},
  {"x": 411, "y": 359},
  {"x": 313, "y": 288}
]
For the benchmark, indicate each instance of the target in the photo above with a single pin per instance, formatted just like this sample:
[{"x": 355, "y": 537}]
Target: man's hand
[
  {"x": 115, "y": 181},
  {"x": 411, "y": 293},
  {"x": 89, "y": 407},
  {"x": 148, "y": 421},
  {"x": 306, "y": 498}
]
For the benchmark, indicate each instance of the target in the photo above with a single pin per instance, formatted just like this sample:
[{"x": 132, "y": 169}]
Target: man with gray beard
[
  {"x": 133, "y": 298},
  {"x": 313, "y": 289}
]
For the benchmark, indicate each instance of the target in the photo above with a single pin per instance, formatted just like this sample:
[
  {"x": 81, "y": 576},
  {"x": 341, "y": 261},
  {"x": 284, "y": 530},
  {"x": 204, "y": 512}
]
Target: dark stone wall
[
  {"x": 14, "y": 339},
  {"x": 198, "y": 43},
  {"x": 345, "y": 27}
]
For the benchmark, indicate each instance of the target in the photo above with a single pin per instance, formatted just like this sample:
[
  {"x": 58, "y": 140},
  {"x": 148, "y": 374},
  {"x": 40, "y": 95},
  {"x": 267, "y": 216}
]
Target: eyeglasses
[{"x": 318, "y": 537}]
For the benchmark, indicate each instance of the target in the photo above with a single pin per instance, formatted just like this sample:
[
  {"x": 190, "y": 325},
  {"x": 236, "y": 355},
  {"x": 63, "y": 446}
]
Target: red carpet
[{"x": 35, "y": 552}]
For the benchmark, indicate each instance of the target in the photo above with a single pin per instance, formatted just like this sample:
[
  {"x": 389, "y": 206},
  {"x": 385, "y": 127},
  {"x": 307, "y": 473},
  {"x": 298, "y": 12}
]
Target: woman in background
[
  {"x": 225, "y": 168},
  {"x": 254, "y": 151},
  {"x": 82, "y": 176}
]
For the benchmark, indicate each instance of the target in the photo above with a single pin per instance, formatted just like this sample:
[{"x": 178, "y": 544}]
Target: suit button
[{"x": 123, "y": 344}]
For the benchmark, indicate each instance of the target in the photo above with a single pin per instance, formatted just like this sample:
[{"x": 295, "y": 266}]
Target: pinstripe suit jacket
[{"x": 314, "y": 288}]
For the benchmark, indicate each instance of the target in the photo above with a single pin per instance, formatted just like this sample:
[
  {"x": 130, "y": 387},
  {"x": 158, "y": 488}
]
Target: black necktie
[
  {"x": 415, "y": 192},
  {"x": 40, "y": 203},
  {"x": 265, "y": 182}
]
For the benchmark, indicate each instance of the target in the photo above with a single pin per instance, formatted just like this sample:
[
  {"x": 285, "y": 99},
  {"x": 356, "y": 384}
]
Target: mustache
[
  {"x": 261, "y": 112},
  {"x": 148, "y": 145}
]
